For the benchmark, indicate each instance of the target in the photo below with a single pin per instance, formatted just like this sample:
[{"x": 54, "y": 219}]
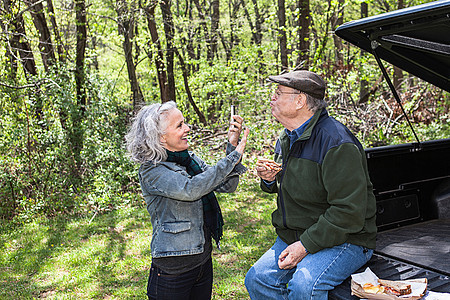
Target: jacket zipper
[{"x": 283, "y": 209}]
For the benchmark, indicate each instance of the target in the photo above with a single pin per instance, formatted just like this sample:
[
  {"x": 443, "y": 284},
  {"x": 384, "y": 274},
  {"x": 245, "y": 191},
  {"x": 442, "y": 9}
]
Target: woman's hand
[
  {"x": 240, "y": 148},
  {"x": 235, "y": 129}
]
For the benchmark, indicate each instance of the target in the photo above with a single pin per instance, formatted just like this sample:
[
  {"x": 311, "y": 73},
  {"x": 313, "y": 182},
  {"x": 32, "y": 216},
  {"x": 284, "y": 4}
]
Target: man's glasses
[{"x": 278, "y": 93}]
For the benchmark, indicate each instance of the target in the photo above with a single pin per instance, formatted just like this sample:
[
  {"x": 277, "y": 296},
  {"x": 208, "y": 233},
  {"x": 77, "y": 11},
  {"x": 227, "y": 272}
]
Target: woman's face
[{"x": 175, "y": 137}]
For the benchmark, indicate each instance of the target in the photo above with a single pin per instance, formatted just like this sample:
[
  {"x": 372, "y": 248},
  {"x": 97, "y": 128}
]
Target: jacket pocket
[{"x": 176, "y": 227}]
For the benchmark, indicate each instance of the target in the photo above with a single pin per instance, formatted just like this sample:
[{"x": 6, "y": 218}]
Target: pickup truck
[{"x": 411, "y": 181}]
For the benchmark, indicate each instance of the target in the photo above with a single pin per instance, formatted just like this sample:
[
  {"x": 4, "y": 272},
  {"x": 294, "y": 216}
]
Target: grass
[{"x": 109, "y": 257}]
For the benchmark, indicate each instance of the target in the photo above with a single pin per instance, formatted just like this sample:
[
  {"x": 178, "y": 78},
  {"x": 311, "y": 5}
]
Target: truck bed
[
  {"x": 426, "y": 245},
  {"x": 420, "y": 250}
]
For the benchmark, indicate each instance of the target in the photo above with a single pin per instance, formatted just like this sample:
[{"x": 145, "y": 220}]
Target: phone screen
[{"x": 233, "y": 111}]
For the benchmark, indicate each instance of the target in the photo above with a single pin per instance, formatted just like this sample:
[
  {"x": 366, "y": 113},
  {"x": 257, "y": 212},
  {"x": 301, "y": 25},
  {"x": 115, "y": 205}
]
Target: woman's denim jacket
[{"x": 173, "y": 200}]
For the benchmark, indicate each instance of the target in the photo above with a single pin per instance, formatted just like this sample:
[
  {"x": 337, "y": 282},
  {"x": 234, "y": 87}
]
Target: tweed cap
[{"x": 305, "y": 81}]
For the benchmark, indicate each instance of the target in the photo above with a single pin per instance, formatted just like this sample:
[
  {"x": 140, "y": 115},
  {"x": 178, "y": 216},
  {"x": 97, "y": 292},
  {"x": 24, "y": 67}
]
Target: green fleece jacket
[{"x": 325, "y": 197}]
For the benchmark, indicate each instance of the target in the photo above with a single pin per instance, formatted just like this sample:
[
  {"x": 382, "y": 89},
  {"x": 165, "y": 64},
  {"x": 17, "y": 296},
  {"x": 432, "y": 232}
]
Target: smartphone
[{"x": 233, "y": 111}]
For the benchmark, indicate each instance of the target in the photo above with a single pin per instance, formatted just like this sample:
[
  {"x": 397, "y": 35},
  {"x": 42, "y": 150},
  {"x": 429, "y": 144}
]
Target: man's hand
[
  {"x": 235, "y": 129},
  {"x": 291, "y": 256},
  {"x": 267, "y": 169},
  {"x": 267, "y": 175}
]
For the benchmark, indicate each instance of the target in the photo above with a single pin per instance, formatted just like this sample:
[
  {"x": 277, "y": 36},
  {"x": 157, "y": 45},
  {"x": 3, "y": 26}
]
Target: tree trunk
[
  {"x": 363, "y": 92},
  {"x": 159, "y": 57},
  {"x": 76, "y": 133},
  {"x": 190, "y": 48},
  {"x": 18, "y": 40},
  {"x": 250, "y": 22},
  {"x": 257, "y": 33},
  {"x": 11, "y": 52},
  {"x": 320, "y": 49},
  {"x": 45, "y": 41},
  {"x": 304, "y": 22},
  {"x": 200, "y": 115},
  {"x": 281, "y": 13},
  {"x": 191, "y": 34},
  {"x": 398, "y": 73},
  {"x": 205, "y": 28},
  {"x": 338, "y": 19},
  {"x": 226, "y": 46},
  {"x": 169, "y": 32},
  {"x": 259, "y": 20},
  {"x": 126, "y": 27},
  {"x": 234, "y": 38},
  {"x": 80, "y": 8},
  {"x": 61, "y": 53},
  {"x": 215, "y": 18}
]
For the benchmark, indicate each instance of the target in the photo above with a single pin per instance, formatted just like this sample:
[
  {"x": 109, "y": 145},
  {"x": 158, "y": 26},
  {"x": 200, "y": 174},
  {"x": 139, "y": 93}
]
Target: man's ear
[
  {"x": 162, "y": 139},
  {"x": 301, "y": 101}
]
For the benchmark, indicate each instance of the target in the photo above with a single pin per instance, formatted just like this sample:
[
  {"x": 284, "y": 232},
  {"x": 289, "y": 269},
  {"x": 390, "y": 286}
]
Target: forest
[{"x": 73, "y": 73}]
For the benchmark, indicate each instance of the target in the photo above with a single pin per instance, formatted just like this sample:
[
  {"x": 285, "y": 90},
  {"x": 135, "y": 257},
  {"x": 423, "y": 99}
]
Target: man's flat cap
[{"x": 305, "y": 81}]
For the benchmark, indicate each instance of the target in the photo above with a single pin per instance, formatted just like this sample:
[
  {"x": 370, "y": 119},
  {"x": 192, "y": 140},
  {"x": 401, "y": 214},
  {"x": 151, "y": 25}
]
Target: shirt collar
[{"x": 296, "y": 133}]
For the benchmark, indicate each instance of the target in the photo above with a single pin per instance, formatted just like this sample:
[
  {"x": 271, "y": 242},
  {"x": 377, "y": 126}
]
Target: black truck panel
[{"x": 410, "y": 182}]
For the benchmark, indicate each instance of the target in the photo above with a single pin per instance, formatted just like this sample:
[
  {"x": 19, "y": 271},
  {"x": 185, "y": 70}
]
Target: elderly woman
[{"x": 178, "y": 188}]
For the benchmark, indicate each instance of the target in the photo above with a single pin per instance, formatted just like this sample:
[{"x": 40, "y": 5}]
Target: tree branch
[{"x": 35, "y": 84}]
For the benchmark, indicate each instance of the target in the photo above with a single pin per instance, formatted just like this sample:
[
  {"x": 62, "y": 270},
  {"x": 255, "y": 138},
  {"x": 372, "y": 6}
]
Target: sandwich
[
  {"x": 396, "y": 288},
  {"x": 268, "y": 164}
]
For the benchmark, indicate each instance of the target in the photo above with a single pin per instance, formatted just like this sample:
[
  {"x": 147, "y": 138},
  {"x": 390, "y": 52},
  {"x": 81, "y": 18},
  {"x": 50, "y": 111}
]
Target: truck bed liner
[{"x": 424, "y": 244}]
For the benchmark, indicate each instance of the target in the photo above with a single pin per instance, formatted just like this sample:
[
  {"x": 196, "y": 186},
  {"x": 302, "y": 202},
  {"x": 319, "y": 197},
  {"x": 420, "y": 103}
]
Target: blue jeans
[
  {"x": 313, "y": 277},
  {"x": 192, "y": 285}
]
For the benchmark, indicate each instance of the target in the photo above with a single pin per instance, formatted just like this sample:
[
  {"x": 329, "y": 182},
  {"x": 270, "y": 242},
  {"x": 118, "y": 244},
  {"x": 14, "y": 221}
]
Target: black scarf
[{"x": 212, "y": 214}]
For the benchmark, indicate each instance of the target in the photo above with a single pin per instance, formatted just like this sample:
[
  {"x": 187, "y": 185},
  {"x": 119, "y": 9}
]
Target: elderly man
[{"x": 325, "y": 216}]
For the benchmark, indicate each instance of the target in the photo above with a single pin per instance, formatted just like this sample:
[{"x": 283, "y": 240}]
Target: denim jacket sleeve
[
  {"x": 239, "y": 169},
  {"x": 161, "y": 180},
  {"x": 232, "y": 181}
]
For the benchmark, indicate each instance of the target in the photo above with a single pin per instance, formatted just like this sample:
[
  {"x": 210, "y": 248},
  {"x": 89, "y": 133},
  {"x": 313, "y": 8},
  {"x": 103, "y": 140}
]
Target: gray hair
[
  {"x": 143, "y": 138},
  {"x": 315, "y": 104}
]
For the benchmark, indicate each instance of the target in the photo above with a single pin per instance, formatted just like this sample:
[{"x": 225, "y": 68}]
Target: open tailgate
[{"x": 415, "y": 39}]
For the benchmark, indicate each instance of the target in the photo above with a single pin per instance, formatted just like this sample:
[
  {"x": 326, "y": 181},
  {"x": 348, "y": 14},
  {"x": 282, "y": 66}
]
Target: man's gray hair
[
  {"x": 315, "y": 104},
  {"x": 143, "y": 138}
]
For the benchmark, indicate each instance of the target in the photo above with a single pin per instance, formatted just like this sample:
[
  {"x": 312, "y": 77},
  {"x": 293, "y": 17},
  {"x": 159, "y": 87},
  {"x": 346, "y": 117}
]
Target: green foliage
[{"x": 40, "y": 172}]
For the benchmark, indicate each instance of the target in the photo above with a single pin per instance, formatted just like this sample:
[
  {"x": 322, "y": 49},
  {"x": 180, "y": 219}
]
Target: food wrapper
[{"x": 418, "y": 287}]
